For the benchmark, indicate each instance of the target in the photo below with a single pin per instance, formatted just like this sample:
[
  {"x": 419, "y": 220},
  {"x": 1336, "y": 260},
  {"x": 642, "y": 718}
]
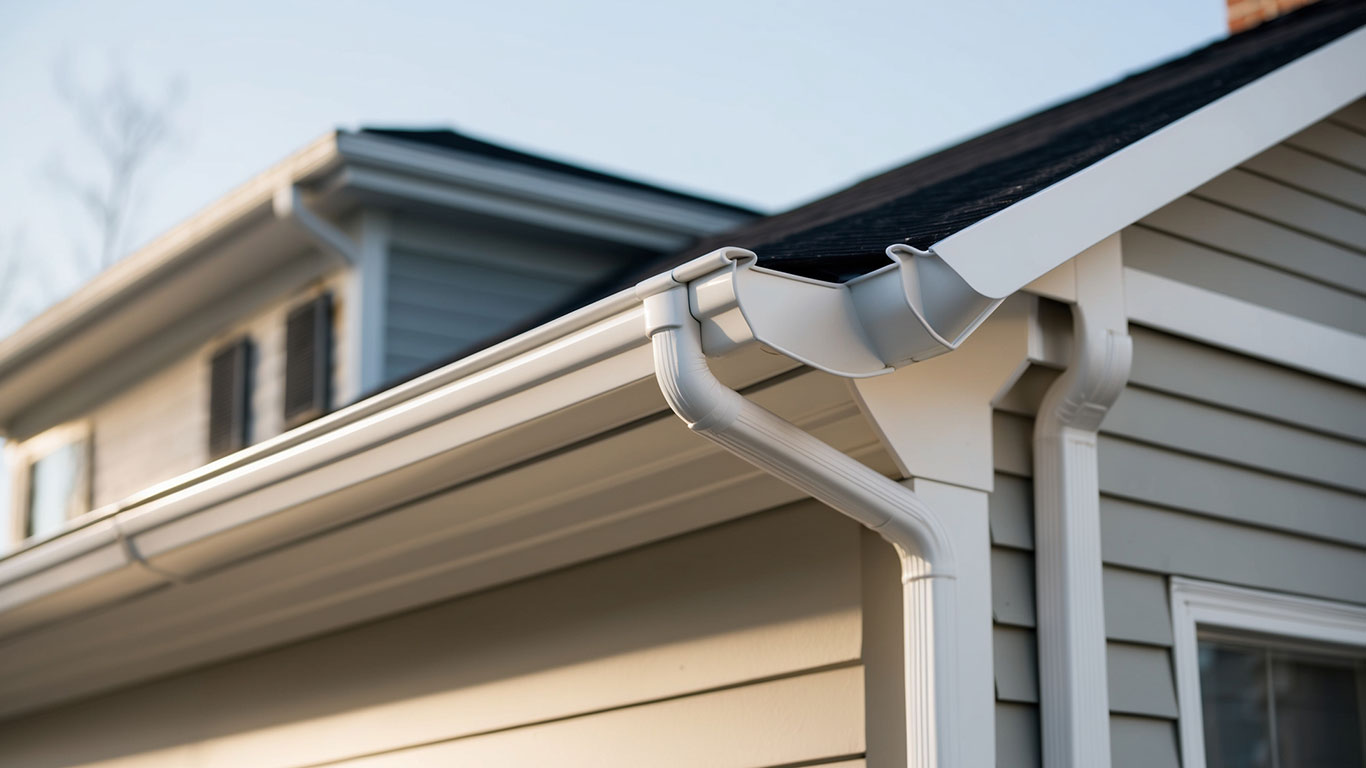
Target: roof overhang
[
  {"x": 244, "y": 251},
  {"x": 585, "y": 374},
  {"x": 1053, "y": 225}
]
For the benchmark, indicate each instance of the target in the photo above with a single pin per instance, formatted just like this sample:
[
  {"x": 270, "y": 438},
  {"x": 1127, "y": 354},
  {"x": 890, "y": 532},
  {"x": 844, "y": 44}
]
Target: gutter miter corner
[{"x": 910, "y": 310}]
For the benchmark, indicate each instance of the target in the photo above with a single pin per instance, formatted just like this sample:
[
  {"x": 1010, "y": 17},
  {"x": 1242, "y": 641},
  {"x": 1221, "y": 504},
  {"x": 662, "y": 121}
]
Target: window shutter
[
  {"x": 308, "y": 361},
  {"x": 229, "y": 398}
]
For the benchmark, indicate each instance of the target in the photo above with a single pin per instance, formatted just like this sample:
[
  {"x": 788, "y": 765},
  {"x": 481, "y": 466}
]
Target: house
[{"x": 1045, "y": 449}]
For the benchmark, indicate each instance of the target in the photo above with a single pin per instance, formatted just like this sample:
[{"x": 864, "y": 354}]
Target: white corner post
[
  {"x": 1075, "y": 709},
  {"x": 367, "y": 303},
  {"x": 764, "y": 439}
]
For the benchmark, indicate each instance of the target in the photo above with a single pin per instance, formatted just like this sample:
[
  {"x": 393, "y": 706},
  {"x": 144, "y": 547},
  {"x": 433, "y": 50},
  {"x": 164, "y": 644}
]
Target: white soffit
[{"x": 1055, "y": 224}]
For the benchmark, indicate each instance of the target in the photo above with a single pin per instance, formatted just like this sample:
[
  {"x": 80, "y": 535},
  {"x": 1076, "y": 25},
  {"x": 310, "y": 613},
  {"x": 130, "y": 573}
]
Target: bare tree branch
[{"x": 125, "y": 130}]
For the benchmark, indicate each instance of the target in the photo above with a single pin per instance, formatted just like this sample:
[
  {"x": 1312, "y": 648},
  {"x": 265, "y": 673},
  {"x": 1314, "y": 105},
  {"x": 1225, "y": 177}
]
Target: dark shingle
[{"x": 844, "y": 235}]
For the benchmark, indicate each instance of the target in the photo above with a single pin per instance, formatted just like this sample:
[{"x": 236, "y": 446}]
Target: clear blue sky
[{"x": 756, "y": 101}]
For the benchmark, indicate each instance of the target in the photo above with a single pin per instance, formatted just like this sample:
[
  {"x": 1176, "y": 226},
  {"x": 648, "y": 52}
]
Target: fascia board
[
  {"x": 509, "y": 179},
  {"x": 398, "y": 430},
  {"x": 1009, "y": 249},
  {"x": 164, "y": 254},
  {"x": 551, "y": 215}
]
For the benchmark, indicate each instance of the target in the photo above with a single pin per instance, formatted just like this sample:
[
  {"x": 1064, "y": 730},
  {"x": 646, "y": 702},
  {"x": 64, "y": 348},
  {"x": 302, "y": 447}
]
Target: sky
[{"x": 759, "y": 102}]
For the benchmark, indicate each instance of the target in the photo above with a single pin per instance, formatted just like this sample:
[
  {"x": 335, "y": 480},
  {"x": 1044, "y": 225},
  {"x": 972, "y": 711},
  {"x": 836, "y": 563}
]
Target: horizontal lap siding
[
  {"x": 1137, "y": 624},
  {"x": 737, "y": 645},
  {"x": 1214, "y": 465},
  {"x": 452, "y": 287}
]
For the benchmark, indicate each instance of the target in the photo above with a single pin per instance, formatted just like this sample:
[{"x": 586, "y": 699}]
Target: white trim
[
  {"x": 489, "y": 178},
  {"x": 1223, "y": 321},
  {"x": 163, "y": 253},
  {"x": 1073, "y": 678},
  {"x": 1200, "y": 603},
  {"x": 20, "y": 458},
  {"x": 1051, "y": 226},
  {"x": 368, "y": 307}
]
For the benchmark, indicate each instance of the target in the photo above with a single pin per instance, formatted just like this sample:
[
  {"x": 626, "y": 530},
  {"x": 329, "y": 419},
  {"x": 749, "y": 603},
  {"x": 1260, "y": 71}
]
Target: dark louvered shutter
[
  {"x": 308, "y": 360},
  {"x": 230, "y": 398}
]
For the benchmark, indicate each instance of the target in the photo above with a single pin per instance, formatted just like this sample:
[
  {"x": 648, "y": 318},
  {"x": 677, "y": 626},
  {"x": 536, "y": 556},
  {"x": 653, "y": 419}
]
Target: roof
[
  {"x": 446, "y": 138},
  {"x": 845, "y": 235}
]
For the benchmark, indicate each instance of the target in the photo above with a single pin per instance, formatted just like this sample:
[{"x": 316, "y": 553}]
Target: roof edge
[
  {"x": 166, "y": 251},
  {"x": 1060, "y": 221}
]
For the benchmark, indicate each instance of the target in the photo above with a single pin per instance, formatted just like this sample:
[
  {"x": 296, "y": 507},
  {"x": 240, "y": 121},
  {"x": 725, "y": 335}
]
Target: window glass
[
  {"x": 1318, "y": 722},
  {"x": 1233, "y": 697},
  {"x": 57, "y": 488},
  {"x": 1269, "y": 708}
]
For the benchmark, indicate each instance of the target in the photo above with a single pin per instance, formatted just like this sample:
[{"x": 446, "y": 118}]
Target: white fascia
[
  {"x": 516, "y": 192},
  {"x": 1047, "y": 228}
]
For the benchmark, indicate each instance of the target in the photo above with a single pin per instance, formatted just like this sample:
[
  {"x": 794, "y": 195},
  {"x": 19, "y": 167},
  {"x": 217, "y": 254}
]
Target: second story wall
[
  {"x": 453, "y": 286},
  {"x": 151, "y": 432}
]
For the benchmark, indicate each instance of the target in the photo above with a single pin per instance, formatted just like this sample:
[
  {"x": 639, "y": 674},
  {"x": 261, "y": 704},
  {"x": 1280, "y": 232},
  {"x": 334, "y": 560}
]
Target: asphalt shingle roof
[{"x": 920, "y": 203}]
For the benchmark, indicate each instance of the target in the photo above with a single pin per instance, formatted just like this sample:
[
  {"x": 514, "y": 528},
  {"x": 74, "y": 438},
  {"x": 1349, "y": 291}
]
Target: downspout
[
  {"x": 289, "y": 207},
  {"x": 778, "y": 447},
  {"x": 1075, "y": 707}
]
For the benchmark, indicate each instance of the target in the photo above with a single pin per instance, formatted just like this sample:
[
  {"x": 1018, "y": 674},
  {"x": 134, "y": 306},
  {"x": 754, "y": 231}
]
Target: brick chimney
[{"x": 1246, "y": 14}]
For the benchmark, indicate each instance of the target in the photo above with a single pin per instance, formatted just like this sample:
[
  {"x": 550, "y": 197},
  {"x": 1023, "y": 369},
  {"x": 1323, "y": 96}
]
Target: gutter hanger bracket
[{"x": 289, "y": 206}]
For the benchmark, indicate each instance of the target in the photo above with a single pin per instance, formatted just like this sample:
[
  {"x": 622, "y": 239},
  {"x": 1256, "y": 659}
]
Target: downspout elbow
[
  {"x": 716, "y": 411},
  {"x": 289, "y": 207}
]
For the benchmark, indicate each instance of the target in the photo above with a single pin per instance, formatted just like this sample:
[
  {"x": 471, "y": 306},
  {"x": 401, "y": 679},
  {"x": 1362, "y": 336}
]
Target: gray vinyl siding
[
  {"x": 1212, "y": 465},
  {"x": 450, "y": 288}
]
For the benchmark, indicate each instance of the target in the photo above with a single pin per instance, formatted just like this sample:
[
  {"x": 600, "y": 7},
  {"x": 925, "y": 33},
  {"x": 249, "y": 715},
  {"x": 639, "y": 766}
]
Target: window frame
[
  {"x": 1220, "y": 608},
  {"x": 21, "y": 458}
]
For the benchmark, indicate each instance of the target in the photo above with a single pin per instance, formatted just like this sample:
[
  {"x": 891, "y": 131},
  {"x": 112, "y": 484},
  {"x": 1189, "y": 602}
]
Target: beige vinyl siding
[
  {"x": 158, "y": 428},
  {"x": 151, "y": 432},
  {"x": 737, "y": 645}
]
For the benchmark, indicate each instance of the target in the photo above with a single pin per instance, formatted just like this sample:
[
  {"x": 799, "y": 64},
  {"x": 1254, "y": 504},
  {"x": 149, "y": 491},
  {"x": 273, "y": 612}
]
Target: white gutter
[
  {"x": 289, "y": 207},
  {"x": 1073, "y": 677},
  {"x": 859, "y": 329}
]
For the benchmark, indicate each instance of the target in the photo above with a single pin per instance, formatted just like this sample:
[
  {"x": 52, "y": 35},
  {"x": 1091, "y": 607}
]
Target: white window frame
[
  {"x": 22, "y": 456},
  {"x": 1202, "y": 604}
]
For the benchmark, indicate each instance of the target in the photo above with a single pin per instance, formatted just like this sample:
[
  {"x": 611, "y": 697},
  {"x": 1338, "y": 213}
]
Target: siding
[
  {"x": 151, "y": 432},
  {"x": 450, "y": 287},
  {"x": 737, "y": 645},
  {"x": 1212, "y": 465},
  {"x": 158, "y": 428}
]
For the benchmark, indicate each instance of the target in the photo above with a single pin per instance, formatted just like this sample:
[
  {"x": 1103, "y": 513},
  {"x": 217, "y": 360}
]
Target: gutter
[
  {"x": 912, "y": 310},
  {"x": 289, "y": 207}
]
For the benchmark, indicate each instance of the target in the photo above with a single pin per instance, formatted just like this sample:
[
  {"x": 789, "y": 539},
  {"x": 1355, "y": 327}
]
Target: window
[
  {"x": 1268, "y": 680},
  {"x": 230, "y": 398},
  {"x": 54, "y": 484},
  {"x": 308, "y": 361}
]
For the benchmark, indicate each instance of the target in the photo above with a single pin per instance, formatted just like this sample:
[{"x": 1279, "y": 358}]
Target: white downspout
[
  {"x": 769, "y": 442},
  {"x": 289, "y": 207},
  {"x": 1075, "y": 707}
]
